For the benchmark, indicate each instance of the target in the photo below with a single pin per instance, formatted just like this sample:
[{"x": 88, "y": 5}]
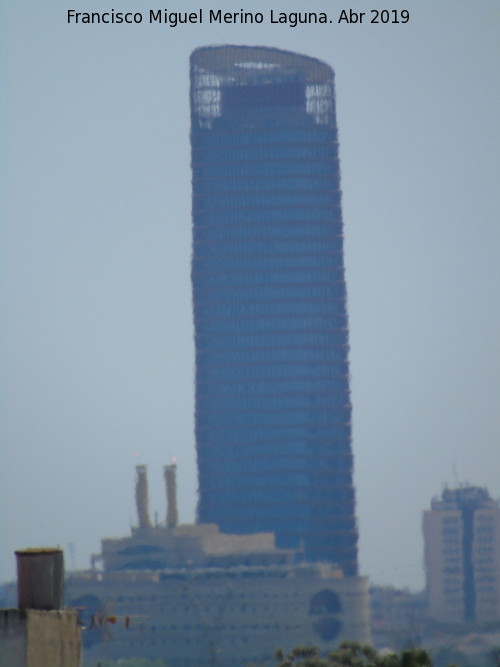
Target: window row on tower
[
  {"x": 318, "y": 502},
  {"x": 316, "y": 262},
  {"x": 309, "y": 345},
  {"x": 218, "y": 279},
  {"x": 261, "y": 183},
  {"x": 283, "y": 246},
  {"x": 257, "y": 215},
  {"x": 334, "y": 451},
  {"x": 215, "y": 403},
  {"x": 275, "y": 371},
  {"x": 272, "y": 167},
  {"x": 269, "y": 136},
  {"x": 243, "y": 153},
  {"x": 270, "y": 325},
  {"x": 275, "y": 308},
  {"x": 265, "y": 465},
  {"x": 271, "y": 386},
  {"x": 219, "y": 201},
  {"x": 279, "y": 491},
  {"x": 320, "y": 291},
  {"x": 268, "y": 231},
  {"x": 279, "y": 354},
  {"x": 214, "y": 436},
  {"x": 279, "y": 406},
  {"x": 278, "y": 417},
  {"x": 280, "y": 336}
]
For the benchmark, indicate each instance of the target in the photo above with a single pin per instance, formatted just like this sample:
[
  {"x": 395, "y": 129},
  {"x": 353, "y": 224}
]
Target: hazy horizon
[{"x": 96, "y": 344}]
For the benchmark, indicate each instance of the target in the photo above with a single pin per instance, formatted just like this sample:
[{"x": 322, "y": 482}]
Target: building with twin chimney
[
  {"x": 273, "y": 409},
  {"x": 193, "y": 595}
]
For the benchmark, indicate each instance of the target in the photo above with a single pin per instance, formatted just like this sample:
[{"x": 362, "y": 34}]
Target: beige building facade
[
  {"x": 221, "y": 617},
  {"x": 37, "y": 638},
  {"x": 462, "y": 556}
]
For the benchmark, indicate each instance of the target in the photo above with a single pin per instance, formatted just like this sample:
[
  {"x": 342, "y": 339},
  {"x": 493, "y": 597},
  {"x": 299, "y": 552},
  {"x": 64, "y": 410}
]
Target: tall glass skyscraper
[{"x": 273, "y": 411}]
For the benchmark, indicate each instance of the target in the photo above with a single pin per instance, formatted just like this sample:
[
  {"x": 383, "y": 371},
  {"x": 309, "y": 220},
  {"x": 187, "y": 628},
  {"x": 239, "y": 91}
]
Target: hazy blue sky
[{"x": 96, "y": 342}]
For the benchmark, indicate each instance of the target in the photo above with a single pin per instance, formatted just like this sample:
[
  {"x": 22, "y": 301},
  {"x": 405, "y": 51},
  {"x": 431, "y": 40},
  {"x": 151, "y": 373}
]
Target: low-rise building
[
  {"x": 462, "y": 556},
  {"x": 195, "y": 596},
  {"x": 39, "y": 632},
  {"x": 227, "y": 617}
]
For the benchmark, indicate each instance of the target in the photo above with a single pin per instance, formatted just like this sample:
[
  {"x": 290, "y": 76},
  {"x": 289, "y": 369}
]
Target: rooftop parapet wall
[{"x": 198, "y": 545}]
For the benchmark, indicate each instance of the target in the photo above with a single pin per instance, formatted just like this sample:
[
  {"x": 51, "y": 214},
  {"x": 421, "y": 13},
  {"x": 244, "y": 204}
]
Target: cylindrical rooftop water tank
[{"x": 40, "y": 578}]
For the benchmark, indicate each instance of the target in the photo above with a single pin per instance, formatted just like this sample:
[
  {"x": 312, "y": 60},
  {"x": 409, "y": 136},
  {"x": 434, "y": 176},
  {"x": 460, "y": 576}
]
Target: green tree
[
  {"x": 352, "y": 654},
  {"x": 415, "y": 657},
  {"x": 129, "y": 662}
]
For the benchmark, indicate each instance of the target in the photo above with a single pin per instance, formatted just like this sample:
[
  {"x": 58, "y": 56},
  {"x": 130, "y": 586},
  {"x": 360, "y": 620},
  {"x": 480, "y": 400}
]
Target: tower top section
[
  {"x": 472, "y": 497},
  {"x": 243, "y": 65},
  {"x": 264, "y": 77}
]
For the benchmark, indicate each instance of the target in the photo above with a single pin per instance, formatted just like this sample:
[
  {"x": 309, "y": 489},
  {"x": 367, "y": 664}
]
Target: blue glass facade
[{"x": 273, "y": 412}]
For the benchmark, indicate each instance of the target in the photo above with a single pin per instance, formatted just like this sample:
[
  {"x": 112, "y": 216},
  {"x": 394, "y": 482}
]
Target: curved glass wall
[{"x": 273, "y": 414}]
